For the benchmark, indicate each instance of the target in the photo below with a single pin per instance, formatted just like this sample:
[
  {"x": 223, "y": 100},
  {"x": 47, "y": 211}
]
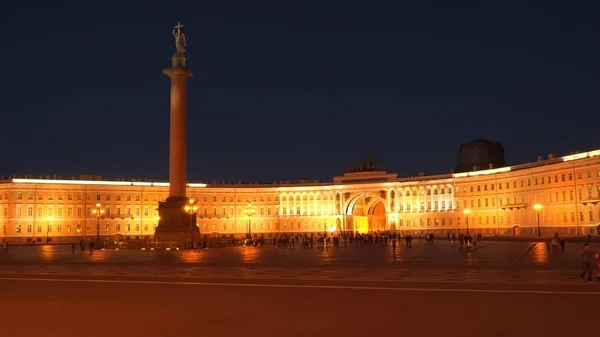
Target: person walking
[
  {"x": 586, "y": 263},
  {"x": 562, "y": 244},
  {"x": 554, "y": 243}
]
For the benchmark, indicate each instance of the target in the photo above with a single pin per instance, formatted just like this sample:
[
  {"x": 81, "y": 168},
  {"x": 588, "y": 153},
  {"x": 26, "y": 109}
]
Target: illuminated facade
[{"x": 499, "y": 201}]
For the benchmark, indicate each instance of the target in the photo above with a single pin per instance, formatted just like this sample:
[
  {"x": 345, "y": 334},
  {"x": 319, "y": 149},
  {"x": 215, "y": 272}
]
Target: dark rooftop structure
[{"x": 480, "y": 154}]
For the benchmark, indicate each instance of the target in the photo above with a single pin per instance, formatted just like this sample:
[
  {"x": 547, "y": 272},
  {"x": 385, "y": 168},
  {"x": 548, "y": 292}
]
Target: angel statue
[{"x": 179, "y": 39}]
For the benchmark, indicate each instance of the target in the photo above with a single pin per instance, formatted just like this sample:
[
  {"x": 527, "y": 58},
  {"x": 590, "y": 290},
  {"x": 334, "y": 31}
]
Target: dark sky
[{"x": 288, "y": 90}]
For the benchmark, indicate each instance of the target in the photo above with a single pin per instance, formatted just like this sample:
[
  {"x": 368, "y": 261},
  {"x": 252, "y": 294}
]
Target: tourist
[
  {"x": 554, "y": 243},
  {"x": 586, "y": 262}
]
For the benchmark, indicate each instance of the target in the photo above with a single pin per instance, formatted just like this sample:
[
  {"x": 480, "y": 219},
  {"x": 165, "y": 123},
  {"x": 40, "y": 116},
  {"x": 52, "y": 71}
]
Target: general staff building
[{"x": 562, "y": 192}]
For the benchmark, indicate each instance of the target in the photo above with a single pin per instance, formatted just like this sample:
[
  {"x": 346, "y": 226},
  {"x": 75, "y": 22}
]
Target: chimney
[
  {"x": 490, "y": 166},
  {"x": 551, "y": 156},
  {"x": 539, "y": 158}
]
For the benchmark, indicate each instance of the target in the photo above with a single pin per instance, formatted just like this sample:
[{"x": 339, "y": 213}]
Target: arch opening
[{"x": 366, "y": 213}]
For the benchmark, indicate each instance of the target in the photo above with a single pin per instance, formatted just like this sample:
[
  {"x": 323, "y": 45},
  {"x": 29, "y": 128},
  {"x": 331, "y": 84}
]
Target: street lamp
[
  {"x": 191, "y": 208},
  {"x": 98, "y": 212},
  {"x": 537, "y": 208},
  {"x": 249, "y": 212},
  {"x": 467, "y": 212},
  {"x": 48, "y": 229}
]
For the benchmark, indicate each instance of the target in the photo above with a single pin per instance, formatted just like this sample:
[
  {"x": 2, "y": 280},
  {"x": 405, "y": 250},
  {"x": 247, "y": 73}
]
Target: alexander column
[{"x": 175, "y": 225}]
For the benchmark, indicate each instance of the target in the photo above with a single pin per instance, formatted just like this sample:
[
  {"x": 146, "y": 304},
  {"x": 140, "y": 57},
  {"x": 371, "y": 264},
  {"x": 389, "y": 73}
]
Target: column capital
[{"x": 177, "y": 72}]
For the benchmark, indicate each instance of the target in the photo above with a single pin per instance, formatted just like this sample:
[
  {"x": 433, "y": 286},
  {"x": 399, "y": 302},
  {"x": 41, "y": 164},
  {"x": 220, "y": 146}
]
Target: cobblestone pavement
[{"x": 518, "y": 262}]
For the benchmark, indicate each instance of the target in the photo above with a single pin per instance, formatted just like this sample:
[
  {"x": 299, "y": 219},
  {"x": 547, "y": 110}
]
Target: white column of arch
[
  {"x": 331, "y": 199},
  {"x": 387, "y": 199},
  {"x": 320, "y": 204},
  {"x": 431, "y": 198},
  {"x": 396, "y": 207},
  {"x": 287, "y": 202},
  {"x": 315, "y": 203},
  {"x": 280, "y": 204},
  {"x": 444, "y": 199},
  {"x": 301, "y": 195},
  {"x": 295, "y": 203},
  {"x": 403, "y": 201},
  {"x": 440, "y": 197}
]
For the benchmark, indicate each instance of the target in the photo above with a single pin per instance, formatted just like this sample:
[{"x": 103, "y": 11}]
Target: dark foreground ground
[{"x": 502, "y": 289}]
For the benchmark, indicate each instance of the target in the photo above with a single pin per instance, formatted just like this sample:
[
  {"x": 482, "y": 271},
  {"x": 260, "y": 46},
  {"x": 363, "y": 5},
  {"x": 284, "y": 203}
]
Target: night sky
[{"x": 289, "y": 90}]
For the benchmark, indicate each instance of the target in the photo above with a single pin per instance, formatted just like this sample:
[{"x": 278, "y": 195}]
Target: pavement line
[
  {"x": 325, "y": 279},
  {"x": 300, "y": 286}
]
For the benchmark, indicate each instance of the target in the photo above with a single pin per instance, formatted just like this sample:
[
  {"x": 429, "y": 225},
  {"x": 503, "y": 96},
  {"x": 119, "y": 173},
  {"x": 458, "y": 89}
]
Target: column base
[{"x": 176, "y": 227}]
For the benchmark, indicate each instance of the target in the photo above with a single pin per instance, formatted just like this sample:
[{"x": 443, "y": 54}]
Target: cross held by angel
[{"x": 179, "y": 38}]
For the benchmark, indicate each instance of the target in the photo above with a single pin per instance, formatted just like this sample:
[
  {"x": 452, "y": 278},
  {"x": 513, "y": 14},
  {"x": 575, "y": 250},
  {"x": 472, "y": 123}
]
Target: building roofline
[{"x": 307, "y": 183}]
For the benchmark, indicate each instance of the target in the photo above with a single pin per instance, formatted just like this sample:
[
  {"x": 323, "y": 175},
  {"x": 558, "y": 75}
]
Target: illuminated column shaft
[{"x": 178, "y": 132}]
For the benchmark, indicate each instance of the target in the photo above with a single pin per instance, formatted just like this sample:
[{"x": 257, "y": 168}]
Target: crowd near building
[{"x": 483, "y": 195}]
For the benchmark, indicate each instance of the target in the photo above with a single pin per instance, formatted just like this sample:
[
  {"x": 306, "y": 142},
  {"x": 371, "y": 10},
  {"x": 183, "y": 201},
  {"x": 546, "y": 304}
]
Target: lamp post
[
  {"x": 538, "y": 208},
  {"x": 191, "y": 208},
  {"x": 467, "y": 212},
  {"x": 48, "y": 229},
  {"x": 249, "y": 212},
  {"x": 98, "y": 212}
]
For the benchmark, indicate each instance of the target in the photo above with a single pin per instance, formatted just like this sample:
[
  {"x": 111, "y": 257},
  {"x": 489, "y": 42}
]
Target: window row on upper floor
[
  {"x": 529, "y": 181},
  {"x": 129, "y": 197}
]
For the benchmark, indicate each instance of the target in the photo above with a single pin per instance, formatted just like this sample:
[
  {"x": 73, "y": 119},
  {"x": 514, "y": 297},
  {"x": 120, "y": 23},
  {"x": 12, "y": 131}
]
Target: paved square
[{"x": 499, "y": 289}]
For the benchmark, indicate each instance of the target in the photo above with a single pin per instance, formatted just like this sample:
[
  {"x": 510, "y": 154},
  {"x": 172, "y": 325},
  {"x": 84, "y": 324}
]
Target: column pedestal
[{"x": 176, "y": 227}]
